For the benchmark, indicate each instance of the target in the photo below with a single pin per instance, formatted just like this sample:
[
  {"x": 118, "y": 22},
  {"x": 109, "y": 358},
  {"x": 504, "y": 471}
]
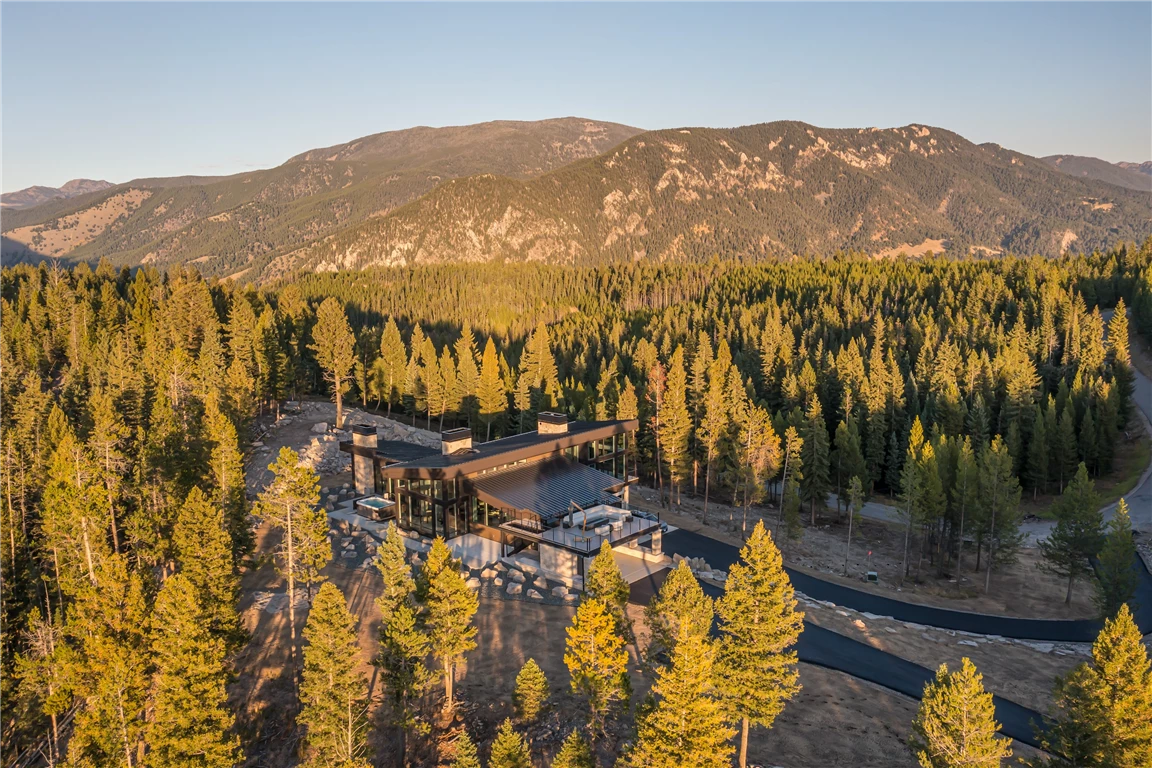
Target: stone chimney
[
  {"x": 453, "y": 440},
  {"x": 364, "y": 438},
  {"x": 548, "y": 423}
]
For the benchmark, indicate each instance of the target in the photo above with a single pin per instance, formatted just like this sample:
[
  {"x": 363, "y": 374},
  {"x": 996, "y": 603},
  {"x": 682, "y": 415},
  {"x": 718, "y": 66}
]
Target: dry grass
[{"x": 1020, "y": 589}]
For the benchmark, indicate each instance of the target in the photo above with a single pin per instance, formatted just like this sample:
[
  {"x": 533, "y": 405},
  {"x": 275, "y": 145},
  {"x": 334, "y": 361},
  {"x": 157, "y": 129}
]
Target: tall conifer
[
  {"x": 333, "y": 692},
  {"x": 755, "y": 672}
]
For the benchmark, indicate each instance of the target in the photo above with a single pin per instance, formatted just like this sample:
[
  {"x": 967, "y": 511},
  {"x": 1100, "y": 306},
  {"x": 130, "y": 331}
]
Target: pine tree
[
  {"x": 227, "y": 473},
  {"x": 575, "y": 753},
  {"x": 1065, "y": 446},
  {"x": 1038, "y": 454},
  {"x": 1123, "y": 379},
  {"x": 204, "y": 552},
  {"x": 466, "y": 755},
  {"x": 1088, "y": 442},
  {"x": 449, "y": 609},
  {"x": 605, "y": 582},
  {"x": 755, "y": 672},
  {"x": 999, "y": 509},
  {"x": 391, "y": 561},
  {"x": 679, "y": 603},
  {"x": 855, "y": 504},
  {"x": 1077, "y": 536},
  {"x": 675, "y": 424},
  {"x": 686, "y": 729},
  {"x": 964, "y": 496},
  {"x": 1115, "y": 579},
  {"x": 911, "y": 489},
  {"x": 1104, "y": 707},
  {"x": 190, "y": 723},
  {"x": 493, "y": 397},
  {"x": 404, "y": 646},
  {"x": 815, "y": 484},
  {"x": 389, "y": 370},
  {"x": 849, "y": 461},
  {"x": 509, "y": 750},
  {"x": 955, "y": 726},
  {"x": 333, "y": 693},
  {"x": 106, "y": 441},
  {"x": 334, "y": 346},
  {"x": 531, "y": 693},
  {"x": 40, "y": 673},
  {"x": 288, "y": 504},
  {"x": 107, "y": 625},
  {"x": 597, "y": 660},
  {"x": 714, "y": 422},
  {"x": 933, "y": 502}
]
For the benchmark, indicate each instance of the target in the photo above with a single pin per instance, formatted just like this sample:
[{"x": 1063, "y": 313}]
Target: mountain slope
[
  {"x": 228, "y": 223},
  {"x": 33, "y": 196},
  {"x": 1144, "y": 167},
  {"x": 1128, "y": 175},
  {"x": 764, "y": 190}
]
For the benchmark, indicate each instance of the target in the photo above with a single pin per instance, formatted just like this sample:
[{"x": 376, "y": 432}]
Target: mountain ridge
[
  {"x": 768, "y": 190},
  {"x": 508, "y": 190},
  {"x": 30, "y": 197},
  {"x": 219, "y": 223},
  {"x": 1129, "y": 175}
]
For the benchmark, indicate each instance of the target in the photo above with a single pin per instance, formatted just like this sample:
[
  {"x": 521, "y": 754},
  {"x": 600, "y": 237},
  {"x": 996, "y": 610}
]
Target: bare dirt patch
[
  {"x": 907, "y": 249},
  {"x": 1021, "y": 672}
]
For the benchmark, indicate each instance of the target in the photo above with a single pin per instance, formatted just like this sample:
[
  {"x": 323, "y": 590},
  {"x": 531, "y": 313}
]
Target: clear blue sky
[{"x": 119, "y": 91}]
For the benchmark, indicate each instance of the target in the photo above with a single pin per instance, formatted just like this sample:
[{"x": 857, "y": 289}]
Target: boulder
[
  {"x": 571, "y": 597},
  {"x": 499, "y": 582},
  {"x": 488, "y": 573},
  {"x": 972, "y": 643},
  {"x": 348, "y": 553},
  {"x": 529, "y": 568},
  {"x": 320, "y": 427},
  {"x": 534, "y": 595},
  {"x": 515, "y": 588},
  {"x": 346, "y": 542},
  {"x": 500, "y": 567},
  {"x": 705, "y": 574},
  {"x": 516, "y": 576},
  {"x": 473, "y": 584},
  {"x": 559, "y": 591},
  {"x": 540, "y": 583}
]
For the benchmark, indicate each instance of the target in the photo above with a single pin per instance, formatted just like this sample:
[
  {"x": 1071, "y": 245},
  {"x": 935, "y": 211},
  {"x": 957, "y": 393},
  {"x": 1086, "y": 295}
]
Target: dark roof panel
[
  {"x": 548, "y": 488},
  {"x": 399, "y": 450},
  {"x": 508, "y": 449}
]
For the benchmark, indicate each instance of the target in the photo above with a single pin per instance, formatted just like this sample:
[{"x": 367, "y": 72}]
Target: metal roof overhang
[
  {"x": 547, "y": 489},
  {"x": 463, "y": 465}
]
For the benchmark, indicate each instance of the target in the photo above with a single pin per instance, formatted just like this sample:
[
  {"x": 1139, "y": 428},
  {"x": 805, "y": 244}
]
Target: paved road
[{"x": 828, "y": 649}]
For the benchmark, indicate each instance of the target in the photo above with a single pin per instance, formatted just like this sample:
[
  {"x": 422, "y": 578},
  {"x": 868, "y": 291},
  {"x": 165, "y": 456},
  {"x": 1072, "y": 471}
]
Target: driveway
[{"x": 826, "y": 648}]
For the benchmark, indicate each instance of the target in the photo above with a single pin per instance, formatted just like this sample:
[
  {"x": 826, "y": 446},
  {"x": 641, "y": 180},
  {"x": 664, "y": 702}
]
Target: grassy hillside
[
  {"x": 758, "y": 191},
  {"x": 230, "y": 223},
  {"x": 1128, "y": 175}
]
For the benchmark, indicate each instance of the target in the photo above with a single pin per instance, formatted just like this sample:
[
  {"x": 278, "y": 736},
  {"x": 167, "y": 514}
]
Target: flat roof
[
  {"x": 482, "y": 456},
  {"x": 400, "y": 450},
  {"x": 547, "y": 488}
]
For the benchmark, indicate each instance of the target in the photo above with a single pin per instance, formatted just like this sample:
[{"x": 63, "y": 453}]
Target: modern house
[{"x": 556, "y": 493}]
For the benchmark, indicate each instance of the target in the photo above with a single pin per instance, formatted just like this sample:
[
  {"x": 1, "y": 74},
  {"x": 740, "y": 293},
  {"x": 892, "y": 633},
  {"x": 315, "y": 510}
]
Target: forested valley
[{"x": 951, "y": 387}]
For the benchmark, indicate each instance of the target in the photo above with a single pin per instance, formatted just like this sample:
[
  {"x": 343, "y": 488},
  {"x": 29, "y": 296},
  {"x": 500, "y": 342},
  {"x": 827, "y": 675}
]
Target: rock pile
[
  {"x": 701, "y": 568},
  {"x": 323, "y": 454}
]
